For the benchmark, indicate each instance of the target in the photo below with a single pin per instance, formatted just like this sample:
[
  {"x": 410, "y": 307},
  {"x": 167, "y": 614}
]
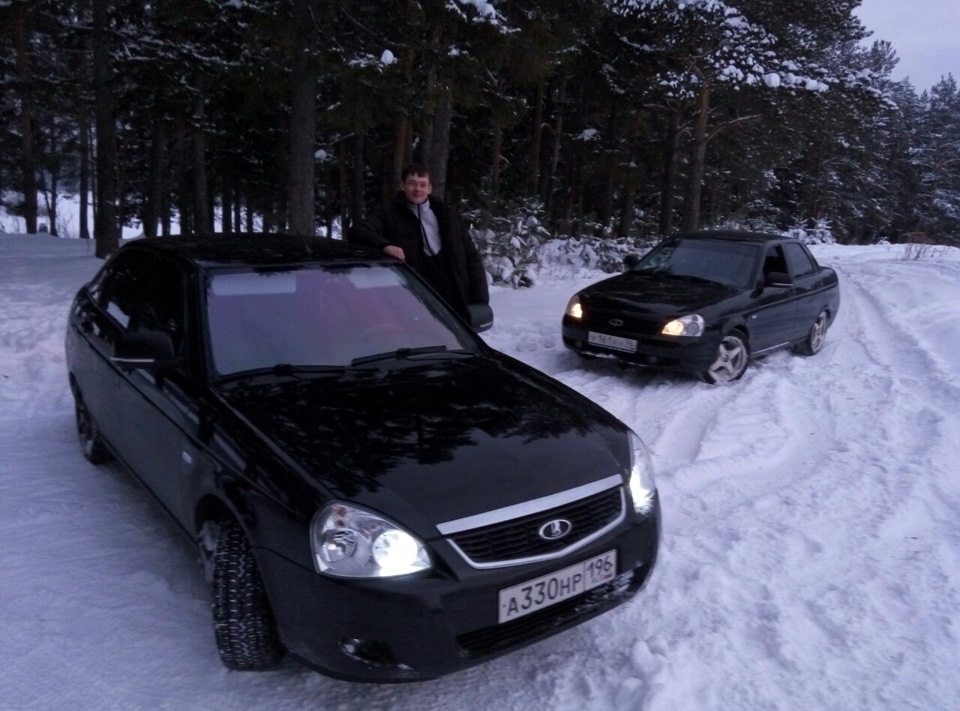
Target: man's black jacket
[{"x": 396, "y": 224}]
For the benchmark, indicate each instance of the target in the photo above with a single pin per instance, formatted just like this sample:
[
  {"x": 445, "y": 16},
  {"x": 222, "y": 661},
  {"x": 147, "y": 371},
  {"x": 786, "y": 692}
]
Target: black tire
[
  {"x": 812, "y": 344},
  {"x": 244, "y": 625},
  {"x": 92, "y": 444},
  {"x": 731, "y": 361}
]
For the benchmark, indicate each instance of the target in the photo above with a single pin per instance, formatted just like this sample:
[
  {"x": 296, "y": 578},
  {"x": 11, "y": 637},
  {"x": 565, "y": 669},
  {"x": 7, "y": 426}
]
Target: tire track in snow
[{"x": 775, "y": 453}]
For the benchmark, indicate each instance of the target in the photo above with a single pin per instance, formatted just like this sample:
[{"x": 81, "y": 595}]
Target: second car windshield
[
  {"x": 322, "y": 317},
  {"x": 727, "y": 263}
]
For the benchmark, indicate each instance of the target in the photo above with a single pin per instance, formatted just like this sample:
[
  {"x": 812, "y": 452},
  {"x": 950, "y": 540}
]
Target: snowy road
[{"x": 811, "y": 551}]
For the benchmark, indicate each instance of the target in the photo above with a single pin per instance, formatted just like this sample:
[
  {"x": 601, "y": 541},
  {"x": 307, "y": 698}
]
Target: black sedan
[
  {"x": 705, "y": 303},
  {"x": 372, "y": 489}
]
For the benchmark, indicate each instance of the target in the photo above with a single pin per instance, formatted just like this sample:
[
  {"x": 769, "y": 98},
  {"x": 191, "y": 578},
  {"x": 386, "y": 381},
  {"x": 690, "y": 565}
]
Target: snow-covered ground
[{"x": 811, "y": 550}]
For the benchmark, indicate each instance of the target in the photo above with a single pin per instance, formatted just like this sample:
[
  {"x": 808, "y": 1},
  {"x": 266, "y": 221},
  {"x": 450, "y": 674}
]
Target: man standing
[{"x": 430, "y": 236}]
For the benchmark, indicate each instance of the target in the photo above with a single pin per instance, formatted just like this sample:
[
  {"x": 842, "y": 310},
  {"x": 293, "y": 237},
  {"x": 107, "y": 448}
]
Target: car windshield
[
  {"x": 323, "y": 316},
  {"x": 727, "y": 263}
]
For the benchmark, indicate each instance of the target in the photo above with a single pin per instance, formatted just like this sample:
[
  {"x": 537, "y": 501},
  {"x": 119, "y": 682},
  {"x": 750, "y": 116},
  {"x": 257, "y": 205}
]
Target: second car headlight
[
  {"x": 351, "y": 542},
  {"x": 691, "y": 325},
  {"x": 642, "y": 485},
  {"x": 574, "y": 308}
]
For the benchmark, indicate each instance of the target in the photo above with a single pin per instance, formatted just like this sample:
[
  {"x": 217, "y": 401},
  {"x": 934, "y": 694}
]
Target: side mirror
[
  {"x": 481, "y": 317},
  {"x": 631, "y": 260},
  {"x": 146, "y": 350}
]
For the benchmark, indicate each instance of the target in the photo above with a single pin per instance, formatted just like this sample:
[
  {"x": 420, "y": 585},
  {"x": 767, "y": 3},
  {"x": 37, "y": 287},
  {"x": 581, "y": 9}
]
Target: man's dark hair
[{"x": 413, "y": 169}]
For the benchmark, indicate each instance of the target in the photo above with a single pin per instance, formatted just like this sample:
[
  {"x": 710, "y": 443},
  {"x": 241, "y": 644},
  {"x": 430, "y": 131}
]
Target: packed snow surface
[{"x": 811, "y": 547}]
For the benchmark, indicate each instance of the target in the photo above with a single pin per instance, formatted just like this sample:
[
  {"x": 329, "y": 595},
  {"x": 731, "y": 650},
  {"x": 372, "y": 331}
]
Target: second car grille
[{"x": 520, "y": 540}]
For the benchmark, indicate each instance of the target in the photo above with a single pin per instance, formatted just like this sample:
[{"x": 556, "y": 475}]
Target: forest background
[{"x": 601, "y": 122}]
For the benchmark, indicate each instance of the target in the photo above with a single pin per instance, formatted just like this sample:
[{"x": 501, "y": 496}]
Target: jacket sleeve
[
  {"x": 478, "y": 292},
  {"x": 369, "y": 231}
]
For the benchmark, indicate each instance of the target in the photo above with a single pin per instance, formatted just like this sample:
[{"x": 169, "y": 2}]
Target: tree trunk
[
  {"x": 84, "y": 148},
  {"x": 402, "y": 155},
  {"x": 201, "y": 204},
  {"x": 106, "y": 228},
  {"x": 496, "y": 155},
  {"x": 691, "y": 210},
  {"x": 151, "y": 211},
  {"x": 535, "y": 140},
  {"x": 551, "y": 177},
  {"x": 28, "y": 164},
  {"x": 303, "y": 125},
  {"x": 668, "y": 183},
  {"x": 440, "y": 153}
]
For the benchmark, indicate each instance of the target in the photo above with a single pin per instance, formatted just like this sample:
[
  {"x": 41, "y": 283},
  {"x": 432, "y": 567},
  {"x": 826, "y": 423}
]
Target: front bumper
[
  {"x": 425, "y": 626},
  {"x": 683, "y": 354}
]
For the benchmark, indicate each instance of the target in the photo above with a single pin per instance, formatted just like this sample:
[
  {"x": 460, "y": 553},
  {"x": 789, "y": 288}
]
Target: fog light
[{"x": 371, "y": 651}]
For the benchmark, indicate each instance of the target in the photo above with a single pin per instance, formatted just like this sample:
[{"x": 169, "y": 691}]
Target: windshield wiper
[
  {"x": 409, "y": 354},
  {"x": 282, "y": 370}
]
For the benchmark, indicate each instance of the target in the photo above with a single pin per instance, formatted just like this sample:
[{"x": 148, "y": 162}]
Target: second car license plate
[
  {"x": 549, "y": 589},
  {"x": 615, "y": 342}
]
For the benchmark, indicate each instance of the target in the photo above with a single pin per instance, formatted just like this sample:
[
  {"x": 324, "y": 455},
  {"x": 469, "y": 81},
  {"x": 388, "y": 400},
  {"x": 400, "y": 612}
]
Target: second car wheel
[
  {"x": 94, "y": 448},
  {"x": 732, "y": 358},
  {"x": 244, "y": 624},
  {"x": 812, "y": 344}
]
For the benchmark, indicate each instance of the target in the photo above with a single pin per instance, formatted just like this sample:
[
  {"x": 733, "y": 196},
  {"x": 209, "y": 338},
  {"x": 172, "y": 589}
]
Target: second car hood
[
  {"x": 655, "y": 293},
  {"x": 437, "y": 441}
]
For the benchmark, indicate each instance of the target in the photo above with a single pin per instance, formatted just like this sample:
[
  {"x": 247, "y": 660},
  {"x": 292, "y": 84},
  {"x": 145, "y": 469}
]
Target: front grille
[
  {"x": 568, "y": 613},
  {"x": 519, "y": 539},
  {"x": 633, "y": 325}
]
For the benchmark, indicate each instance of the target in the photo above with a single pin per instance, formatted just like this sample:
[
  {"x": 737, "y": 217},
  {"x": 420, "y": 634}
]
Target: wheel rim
[
  {"x": 86, "y": 430},
  {"x": 731, "y": 360},
  {"x": 818, "y": 332},
  {"x": 207, "y": 543}
]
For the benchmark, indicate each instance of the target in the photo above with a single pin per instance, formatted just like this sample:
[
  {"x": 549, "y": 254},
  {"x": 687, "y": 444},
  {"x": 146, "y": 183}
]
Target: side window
[
  {"x": 800, "y": 261},
  {"x": 164, "y": 307},
  {"x": 123, "y": 289},
  {"x": 773, "y": 261},
  {"x": 143, "y": 292}
]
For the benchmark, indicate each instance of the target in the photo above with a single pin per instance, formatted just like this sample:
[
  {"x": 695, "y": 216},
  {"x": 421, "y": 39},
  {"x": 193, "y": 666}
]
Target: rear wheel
[
  {"x": 731, "y": 361},
  {"x": 243, "y": 622},
  {"x": 93, "y": 446},
  {"x": 812, "y": 344}
]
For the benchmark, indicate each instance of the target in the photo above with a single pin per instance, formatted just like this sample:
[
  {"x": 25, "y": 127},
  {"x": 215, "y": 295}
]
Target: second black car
[{"x": 705, "y": 303}]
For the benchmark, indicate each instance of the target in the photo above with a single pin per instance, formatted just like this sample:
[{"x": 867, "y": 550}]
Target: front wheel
[
  {"x": 731, "y": 360},
  {"x": 244, "y": 625},
  {"x": 812, "y": 344},
  {"x": 91, "y": 442}
]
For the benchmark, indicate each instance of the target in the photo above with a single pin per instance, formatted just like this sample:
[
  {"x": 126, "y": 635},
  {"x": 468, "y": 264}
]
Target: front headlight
[
  {"x": 642, "y": 485},
  {"x": 691, "y": 325},
  {"x": 574, "y": 309},
  {"x": 353, "y": 543}
]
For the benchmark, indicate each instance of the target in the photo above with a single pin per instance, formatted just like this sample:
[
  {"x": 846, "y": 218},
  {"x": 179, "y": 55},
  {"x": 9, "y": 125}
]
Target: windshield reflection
[
  {"x": 727, "y": 263},
  {"x": 321, "y": 316}
]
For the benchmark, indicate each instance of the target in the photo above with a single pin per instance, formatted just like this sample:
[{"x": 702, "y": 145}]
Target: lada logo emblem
[
  {"x": 556, "y": 529},
  {"x": 616, "y": 322}
]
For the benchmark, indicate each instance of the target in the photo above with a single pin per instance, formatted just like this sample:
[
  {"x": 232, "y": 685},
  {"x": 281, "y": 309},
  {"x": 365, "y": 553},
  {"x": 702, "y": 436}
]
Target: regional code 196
[{"x": 547, "y": 590}]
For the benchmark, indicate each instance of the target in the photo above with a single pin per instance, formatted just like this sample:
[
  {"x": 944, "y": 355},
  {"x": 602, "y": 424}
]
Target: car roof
[
  {"x": 735, "y": 236},
  {"x": 255, "y": 249}
]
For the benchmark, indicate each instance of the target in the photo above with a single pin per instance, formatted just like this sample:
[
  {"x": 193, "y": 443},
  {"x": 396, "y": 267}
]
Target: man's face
[{"x": 417, "y": 188}]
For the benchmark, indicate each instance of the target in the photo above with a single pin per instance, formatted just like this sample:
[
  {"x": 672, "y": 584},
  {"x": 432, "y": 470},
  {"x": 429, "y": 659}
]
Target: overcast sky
[{"x": 924, "y": 33}]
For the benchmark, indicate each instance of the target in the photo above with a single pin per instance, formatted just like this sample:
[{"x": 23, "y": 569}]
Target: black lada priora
[{"x": 372, "y": 488}]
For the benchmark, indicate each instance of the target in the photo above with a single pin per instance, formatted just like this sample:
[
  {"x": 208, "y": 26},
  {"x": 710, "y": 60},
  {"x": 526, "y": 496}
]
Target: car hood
[
  {"x": 655, "y": 294},
  {"x": 435, "y": 442}
]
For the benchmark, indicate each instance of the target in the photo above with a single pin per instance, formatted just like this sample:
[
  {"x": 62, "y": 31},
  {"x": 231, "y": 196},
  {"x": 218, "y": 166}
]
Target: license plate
[
  {"x": 614, "y": 342},
  {"x": 550, "y": 589}
]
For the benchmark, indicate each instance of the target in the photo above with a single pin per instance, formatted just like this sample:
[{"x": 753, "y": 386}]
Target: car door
[
  {"x": 808, "y": 286},
  {"x": 774, "y": 308},
  {"x": 153, "y": 425}
]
